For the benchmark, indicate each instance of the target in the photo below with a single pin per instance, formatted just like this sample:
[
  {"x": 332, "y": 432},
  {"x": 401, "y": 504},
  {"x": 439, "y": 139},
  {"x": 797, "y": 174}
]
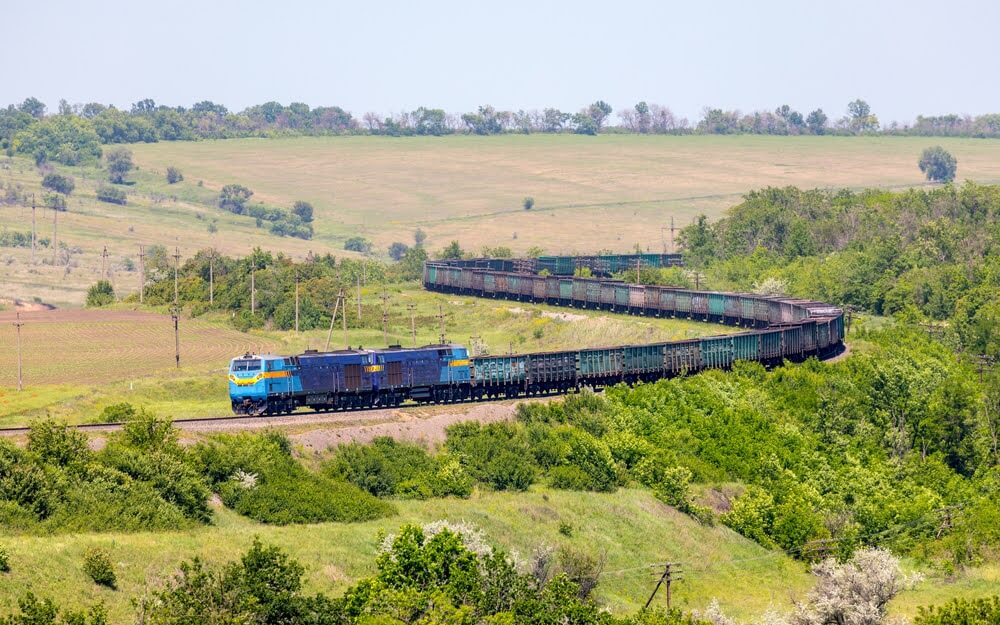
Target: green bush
[
  {"x": 59, "y": 183},
  {"x": 569, "y": 477},
  {"x": 4, "y": 560},
  {"x": 981, "y": 611},
  {"x": 98, "y": 566},
  {"x": 116, "y": 413},
  {"x": 496, "y": 454},
  {"x": 174, "y": 175},
  {"x": 100, "y": 294},
  {"x": 111, "y": 195},
  {"x": 288, "y": 496}
]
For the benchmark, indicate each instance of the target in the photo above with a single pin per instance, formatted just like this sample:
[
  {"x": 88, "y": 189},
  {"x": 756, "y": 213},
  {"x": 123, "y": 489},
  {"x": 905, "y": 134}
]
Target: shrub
[
  {"x": 100, "y": 294},
  {"x": 116, "y": 413},
  {"x": 4, "y": 560},
  {"x": 57, "y": 443},
  {"x": 234, "y": 197},
  {"x": 174, "y": 175},
  {"x": 54, "y": 201},
  {"x": 528, "y": 203},
  {"x": 59, "y": 183},
  {"x": 296, "y": 496},
  {"x": 119, "y": 165},
  {"x": 938, "y": 164},
  {"x": 358, "y": 244},
  {"x": 398, "y": 250},
  {"x": 382, "y": 466},
  {"x": 97, "y": 565},
  {"x": 980, "y": 611},
  {"x": 569, "y": 477},
  {"x": 303, "y": 210},
  {"x": 111, "y": 195},
  {"x": 495, "y": 454}
]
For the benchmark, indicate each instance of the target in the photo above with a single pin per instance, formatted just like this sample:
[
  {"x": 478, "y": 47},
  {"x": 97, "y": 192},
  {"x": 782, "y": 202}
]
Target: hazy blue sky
[{"x": 904, "y": 56}]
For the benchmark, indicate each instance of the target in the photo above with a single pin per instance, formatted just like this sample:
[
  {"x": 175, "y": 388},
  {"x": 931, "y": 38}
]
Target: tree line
[{"x": 75, "y": 132}]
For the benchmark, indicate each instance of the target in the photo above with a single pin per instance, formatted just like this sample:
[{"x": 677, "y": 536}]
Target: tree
[
  {"x": 58, "y": 182},
  {"x": 303, "y": 210},
  {"x": 33, "y": 107},
  {"x": 100, "y": 294},
  {"x": 938, "y": 164},
  {"x": 861, "y": 118},
  {"x": 554, "y": 120},
  {"x": 358, "y": 244},
  {"x": 174, "y": 175},
  {"x": 119, "y": 164},
  {"x": 419, "y": 236},
  {"x": 106, "y": 193},
  {"x": 453, "y": 251},
  {"x": 816, "y": 121},
  {"x": 397, "y": 250},
  {"x": 234, "y": 197},
  {"x": 599, "y": 112},
  {"x": 66, "y": 139},
  {"x": 528, "y": 203}
]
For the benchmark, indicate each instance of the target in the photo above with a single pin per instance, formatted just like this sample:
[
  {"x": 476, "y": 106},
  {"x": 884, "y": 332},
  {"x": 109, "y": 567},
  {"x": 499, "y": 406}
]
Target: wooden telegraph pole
[
  {"x": 34, "y": 236},
  {"x": 55, "y": 235},
  {"x": 253, "y": 288},
  {"x": 142, "y": 272},
  {"x": 296, "y": 302},
  {"x": 413, "y": 323},
  {"x": 341, "y": 306},
  {"x": 385, "y": 317},
  {"x": 440, "y": 317},
  {"x": 175, "y": 311},
  {"x": 17, "y": 324},
  {"x": 671, "y": 573},
  {"x": 211, "y": 277},
  {"x": 104, "y": 263},
  {"x": 359, "y": 298}
]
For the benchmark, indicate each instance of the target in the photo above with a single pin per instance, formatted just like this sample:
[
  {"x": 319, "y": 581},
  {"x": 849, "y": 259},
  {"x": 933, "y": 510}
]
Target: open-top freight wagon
[{"x": 778, "y": 329}]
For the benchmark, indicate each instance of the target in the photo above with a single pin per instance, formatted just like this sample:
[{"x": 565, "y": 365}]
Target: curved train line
[{"x": 779, "y": 328}]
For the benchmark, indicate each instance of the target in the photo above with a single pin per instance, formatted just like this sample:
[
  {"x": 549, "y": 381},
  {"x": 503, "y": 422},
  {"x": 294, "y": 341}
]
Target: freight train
[{"x": 778, "y": 329}]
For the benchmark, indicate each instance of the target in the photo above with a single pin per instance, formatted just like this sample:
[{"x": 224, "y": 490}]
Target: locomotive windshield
[{"x": 246, "y": 365}]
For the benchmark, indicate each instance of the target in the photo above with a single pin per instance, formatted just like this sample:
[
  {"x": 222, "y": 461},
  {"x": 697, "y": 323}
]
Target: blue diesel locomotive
[{"x": 346, "y": 379}]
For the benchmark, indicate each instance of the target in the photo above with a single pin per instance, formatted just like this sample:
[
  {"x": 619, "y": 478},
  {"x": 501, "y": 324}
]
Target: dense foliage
[
  {"x": 144, "y": 480},
  {"x": 76, "y": 132},
  {"x": 925, "y": 255},
  {"x": 938, "y": 164},
  {"x": 320, "y": 280},
  {"x": 961, "y": 612}
]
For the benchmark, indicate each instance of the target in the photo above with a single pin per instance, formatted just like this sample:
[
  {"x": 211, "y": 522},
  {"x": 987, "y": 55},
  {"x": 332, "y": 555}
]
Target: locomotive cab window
[{"x": 246, "y": 365}]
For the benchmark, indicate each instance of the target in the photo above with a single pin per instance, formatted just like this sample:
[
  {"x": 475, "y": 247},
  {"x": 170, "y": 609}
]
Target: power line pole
[
  {"x": 17, "y": 324},
  {"x": 296, "y": 302},
  {"x": 333, "y": 318},
  {"x": 673, "y": 249},
  {"x": 669, "y": 575},
  {"x": 413, "y": 323},
  {"x": 104, "y": 263},
  {"x": 34, "y": 237},
  {"x": 440, "y": 317},
  {"x": 638, "y": 271},
  {"x": 359, "y": 298},
  {"x": 142, "y": 272},
  {"x": 211, "y": 278},
  {"x": 343, "y": 315},
  {"x": 253, "y": 289},
  {"x": 55, "y": 235},
  {"x": 175, "y": 312},
  {"x": 385, "y": 317}
]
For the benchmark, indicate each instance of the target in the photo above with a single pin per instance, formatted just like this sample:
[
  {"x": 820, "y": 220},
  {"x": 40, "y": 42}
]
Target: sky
[{"x": 904, "y": 57}]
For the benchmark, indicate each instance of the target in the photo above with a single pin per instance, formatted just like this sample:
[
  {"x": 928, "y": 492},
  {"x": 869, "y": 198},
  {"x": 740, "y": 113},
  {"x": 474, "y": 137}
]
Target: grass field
[
  {"x": 78, "y": 361},
  {"x": 630, "y": 527},
  {"x": 591, "y": 193}
]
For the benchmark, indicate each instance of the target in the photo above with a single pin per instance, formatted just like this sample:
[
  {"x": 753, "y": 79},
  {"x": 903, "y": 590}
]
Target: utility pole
[
  {"x": 211, "y": 278},
  {"x": 413, "y": 323},
  {"x": 385, "y": 317},
  {"x": 440, "y": 317},
  {"x": 670, "y": 575},
  {"x": 55, "y": 235},
  {"x": 296, "y": 302},
  {"x": 253, "y": 289},
  {"x": 673, "y": 250},
  {"x": 343, "y": 315},
  {"x": 34, "y": 237},
  {"x": 17, "y": 324},
  {"x": 175, "y": 312},
  {"x": 333, "y": 318},
  {"x": 142, "y": 272},
  {"x": 104, "y": 263},
  {"x": 638, "y": 271}
]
